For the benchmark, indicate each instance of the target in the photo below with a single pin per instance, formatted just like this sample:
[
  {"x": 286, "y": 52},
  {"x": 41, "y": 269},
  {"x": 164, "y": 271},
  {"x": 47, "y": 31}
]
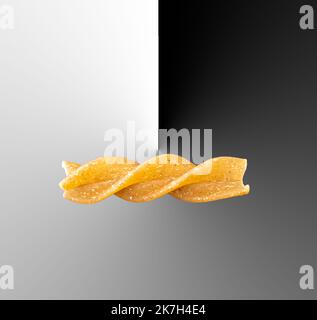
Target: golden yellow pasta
[{"x": 215, "y": 179}]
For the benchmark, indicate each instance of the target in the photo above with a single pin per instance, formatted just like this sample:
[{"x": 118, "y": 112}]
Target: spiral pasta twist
[{"x": 214, "y": 179}]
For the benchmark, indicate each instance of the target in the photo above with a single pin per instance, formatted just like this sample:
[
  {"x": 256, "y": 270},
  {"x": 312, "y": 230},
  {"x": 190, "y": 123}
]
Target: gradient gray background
[
  {"x": 249, "y": 247},
  {"x": 245, "y": 69}
]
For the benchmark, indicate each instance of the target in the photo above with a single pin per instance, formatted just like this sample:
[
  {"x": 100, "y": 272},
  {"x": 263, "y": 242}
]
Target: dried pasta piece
[
  {"x": 101, "y": 169},
  {"x": 224, "y": 181},
  {"x": 214, "y": 179},
  {"x": 70, "y": 167}
]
